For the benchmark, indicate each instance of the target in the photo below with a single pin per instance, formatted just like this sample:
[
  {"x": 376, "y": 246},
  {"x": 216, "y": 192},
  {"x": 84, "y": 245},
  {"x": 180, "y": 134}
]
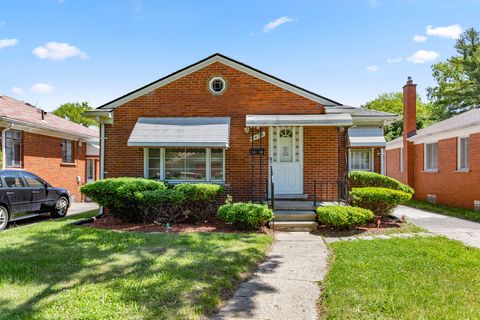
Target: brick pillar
[{"x": 409, "y": 129}]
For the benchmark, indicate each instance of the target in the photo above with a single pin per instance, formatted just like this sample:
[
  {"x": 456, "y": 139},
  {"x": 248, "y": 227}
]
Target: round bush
[
  {"x": 380, "y": 200},
  {"x": 162, "y": 206},
  {"x": 344, "y": 217},
  {"x": 201, "y": 199},
  {"x": 245, "y": 214},
  {"x": 118, "y": 194},
  {"x": 363, "y": 179}
]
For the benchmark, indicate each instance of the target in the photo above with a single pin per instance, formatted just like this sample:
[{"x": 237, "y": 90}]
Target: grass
[
  {"x": 54, "y": 270},
  {"x": 413, "y": 278},
  {"x": 446, "y": 210},
  {"x": 403, "y": 228}
]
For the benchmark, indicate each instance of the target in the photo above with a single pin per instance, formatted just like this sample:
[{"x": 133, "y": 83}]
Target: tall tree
[
  {"x": 393, "y": 102},
  {"x": 458, "y": 78},
  {"x": 73, "y": 111}
]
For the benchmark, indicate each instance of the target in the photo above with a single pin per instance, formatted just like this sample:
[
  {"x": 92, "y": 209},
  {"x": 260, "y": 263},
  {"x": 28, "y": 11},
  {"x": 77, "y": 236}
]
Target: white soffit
[{"x": 338, "y": 120}]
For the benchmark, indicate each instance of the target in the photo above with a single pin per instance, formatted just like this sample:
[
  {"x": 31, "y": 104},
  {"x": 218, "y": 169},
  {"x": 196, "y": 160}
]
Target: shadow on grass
[{"x": 69, "y": 271}]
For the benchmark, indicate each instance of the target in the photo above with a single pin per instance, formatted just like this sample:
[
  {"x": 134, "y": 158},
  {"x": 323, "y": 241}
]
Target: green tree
[
  {"x": 73, "y": 111},
  {"x": 458, "y": 78},
  {"x": 393, "y": 102}
]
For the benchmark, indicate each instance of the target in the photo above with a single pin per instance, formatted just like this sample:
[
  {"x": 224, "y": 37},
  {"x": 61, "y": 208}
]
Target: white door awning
[
  {"x": 338, "y": 120},
  {"x": 181, "y": 132},
  {"x": 366, "y": 137}
]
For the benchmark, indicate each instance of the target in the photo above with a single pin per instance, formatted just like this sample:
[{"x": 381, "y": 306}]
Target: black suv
[{"x": 23, "y": 194}]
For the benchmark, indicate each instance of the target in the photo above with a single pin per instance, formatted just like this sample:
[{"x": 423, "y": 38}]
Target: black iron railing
[{"x": 333, "y": 191}]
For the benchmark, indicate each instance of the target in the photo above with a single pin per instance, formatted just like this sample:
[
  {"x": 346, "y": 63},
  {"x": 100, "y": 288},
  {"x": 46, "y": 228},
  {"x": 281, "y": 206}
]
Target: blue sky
[{"x": 54, "y": 51}]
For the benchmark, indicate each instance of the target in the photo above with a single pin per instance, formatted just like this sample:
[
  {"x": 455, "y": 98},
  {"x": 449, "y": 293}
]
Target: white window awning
[
  {"x": 181, "y": 132},
  {"x": 299, "y": 120},
  {"x": 366, "y": 137}
]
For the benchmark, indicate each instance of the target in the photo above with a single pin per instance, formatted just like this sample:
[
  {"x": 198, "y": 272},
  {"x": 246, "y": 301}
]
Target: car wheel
[
  {"x": 3, "y": 218},
  {"x": 61, "y": 207}
]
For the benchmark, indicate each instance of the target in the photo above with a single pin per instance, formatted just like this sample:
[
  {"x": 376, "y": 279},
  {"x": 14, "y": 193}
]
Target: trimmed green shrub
[
  {"x": 201, "y": 199},
  {"x": 380, "y": 200},
  {"x": 362, "y": 179},
  {"x": 246, "y": 215},
  {"x": 118, "y": 195},
  {"x": 344, "y": 217},
  {"x": 162, "y": 206}
]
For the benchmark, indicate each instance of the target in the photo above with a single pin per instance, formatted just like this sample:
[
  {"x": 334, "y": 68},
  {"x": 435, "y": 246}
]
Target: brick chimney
[
  {"x": 409, "y": 129},
  {"x": 409, "y": 109}
]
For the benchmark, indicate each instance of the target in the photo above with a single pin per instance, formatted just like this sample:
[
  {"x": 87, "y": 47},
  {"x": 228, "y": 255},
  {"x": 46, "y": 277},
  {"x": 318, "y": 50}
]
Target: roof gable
[{"x": 229, "y": 62}]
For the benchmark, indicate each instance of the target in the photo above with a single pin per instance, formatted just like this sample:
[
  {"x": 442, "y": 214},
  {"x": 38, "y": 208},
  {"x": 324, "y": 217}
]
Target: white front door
[{"x": 286, "y": 154}]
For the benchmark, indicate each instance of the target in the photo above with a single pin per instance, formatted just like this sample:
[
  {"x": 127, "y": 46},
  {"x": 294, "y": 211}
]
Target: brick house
[
  {"x": 64, "y": 153},
  {"x": 441, "y": 162},
  {"x": 221, "y": 121}
]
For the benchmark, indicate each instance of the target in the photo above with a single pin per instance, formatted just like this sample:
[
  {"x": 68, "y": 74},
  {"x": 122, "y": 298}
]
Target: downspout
[{"x": 102, "y": 150}]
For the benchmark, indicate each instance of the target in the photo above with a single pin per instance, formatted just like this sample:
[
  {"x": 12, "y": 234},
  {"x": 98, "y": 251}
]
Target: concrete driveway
[
  {"x": 75, "y": 208},
  {"x": 458, "y": 229}
]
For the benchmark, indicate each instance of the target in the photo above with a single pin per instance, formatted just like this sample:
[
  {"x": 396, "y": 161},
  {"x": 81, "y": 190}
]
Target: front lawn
[
  {"x": 54, "y": 270},
  {"x": 446, "y": 210},
  {"x": 414, "y": 278}
]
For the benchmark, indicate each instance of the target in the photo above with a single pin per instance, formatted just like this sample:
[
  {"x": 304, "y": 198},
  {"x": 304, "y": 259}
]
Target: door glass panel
[{"x": 286, "y": 145}]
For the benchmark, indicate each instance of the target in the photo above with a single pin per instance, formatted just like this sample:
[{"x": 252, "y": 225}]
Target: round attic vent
[{"x": 217, "y": 85}]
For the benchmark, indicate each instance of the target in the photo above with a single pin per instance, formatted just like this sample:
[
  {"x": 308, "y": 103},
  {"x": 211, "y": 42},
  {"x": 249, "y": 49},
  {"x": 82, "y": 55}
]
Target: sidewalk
[
  {"x": 458, "y": 229},
  {"x": 285, "y": 285}
]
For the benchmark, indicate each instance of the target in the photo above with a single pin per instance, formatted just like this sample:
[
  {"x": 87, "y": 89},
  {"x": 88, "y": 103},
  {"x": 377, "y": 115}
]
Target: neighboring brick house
[
  {"x": 442, "y": 161},
  {"x": 49, "y": 146},
  {"x": 221, "y": 121}
]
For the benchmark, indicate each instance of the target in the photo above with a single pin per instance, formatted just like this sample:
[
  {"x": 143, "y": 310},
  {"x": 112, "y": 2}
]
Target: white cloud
[
  {"x": 422, "y": 56},
  {"x": 42, "y": 88},
  {"x": 373, "y": 68},
  {"x": 58, "y": 51},
  {"x": 8, "y": 43},
  {"x": 419, "y": 38},
  {"x": 17, "y": 91},
  {"x": 276, "y": 23},
  {"x": 452, "y": 31},
  {"x": 2, "y": 23},
  {"x": 395, "y": 60}
]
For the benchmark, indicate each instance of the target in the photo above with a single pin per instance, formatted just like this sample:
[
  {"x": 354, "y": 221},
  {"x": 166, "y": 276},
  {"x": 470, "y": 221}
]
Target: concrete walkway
[
  {"x": 285, "y": 285},
  {"x": 80, "y": 207},
  {"x": 453, "y": 228}
]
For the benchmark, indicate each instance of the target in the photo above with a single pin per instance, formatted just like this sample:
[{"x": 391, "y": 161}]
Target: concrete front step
[
  {"x": 294, "y": 205},
  {"x": 295, "y": 226},
  {"x": 288, "y": 215},
  {"x": 299, "y": 196}
]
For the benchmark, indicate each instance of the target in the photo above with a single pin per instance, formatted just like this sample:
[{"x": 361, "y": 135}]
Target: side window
[
  {"x": 13, "y": 180},
  {"x": 33, "y": 181}
]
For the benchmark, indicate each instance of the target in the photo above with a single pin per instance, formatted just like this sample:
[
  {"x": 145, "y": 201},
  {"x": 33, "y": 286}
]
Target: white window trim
[
  {"x": 208, "y": 167},
  {"x": 425, "y": 158},
  {"x": 350, "y": 160},
  {"x": 459, "y": 169}
]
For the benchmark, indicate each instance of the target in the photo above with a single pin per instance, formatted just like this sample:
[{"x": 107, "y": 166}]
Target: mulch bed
[
  {"x": 371, "y": 228},
  {"x": 213, "y": 225}
]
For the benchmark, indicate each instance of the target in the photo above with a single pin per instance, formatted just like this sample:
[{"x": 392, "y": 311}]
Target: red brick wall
[
  {"x": 189, "y": 96},
  {"x": 42, "y": 155},
  {"x": 393, "y": 165},
  {"x": 451, "y": 187}
]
